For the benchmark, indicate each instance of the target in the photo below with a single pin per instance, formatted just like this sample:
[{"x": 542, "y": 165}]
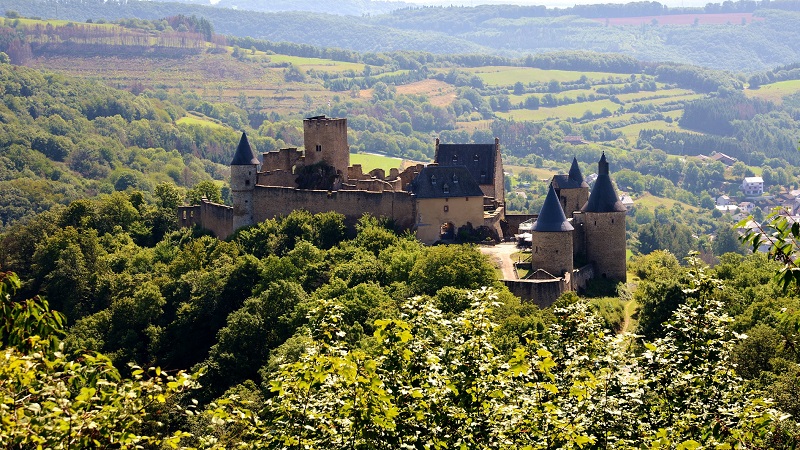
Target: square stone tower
[{"x": 325, "y": 139}]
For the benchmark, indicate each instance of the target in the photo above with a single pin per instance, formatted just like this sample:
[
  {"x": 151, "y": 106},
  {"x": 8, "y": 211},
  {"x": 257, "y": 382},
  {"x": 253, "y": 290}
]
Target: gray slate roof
[
  {"x": 244, "y": 153},
  {"x": 479, "y": 159},
  {"x": 444, "y": 182},
  {"x": 551, "y": 217},
  {"x": 603, "y": 197},
  {"x": 572, "y": 181}
]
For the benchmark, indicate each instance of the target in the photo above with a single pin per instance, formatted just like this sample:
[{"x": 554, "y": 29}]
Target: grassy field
[
  {"x": 651, "y": 202},
  {"x": 325, "y": 65},
  {"x": 562, "y": 112},
  {"x": 371, "y": 161},
  {"x": 538, "y": 173},
  {"x": 438, "y": 92},
  {"x": 650, "y": 95},
  {"x": 507, "y": 76},
  {"x": 195, "y": 120},
  {"x": 776, "y": 91}
]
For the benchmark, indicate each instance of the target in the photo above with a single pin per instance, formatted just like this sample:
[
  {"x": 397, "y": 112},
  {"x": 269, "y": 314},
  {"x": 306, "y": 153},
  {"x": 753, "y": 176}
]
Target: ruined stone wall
[
  {"x": 499, "y": 175},
  {"x": 279, "y": 177},
  {"x": 271, "y": 202},
  {"x": 493, "y": 219},
  {"x": 582, "y": 276},
  {"x": 325, "y": 139},
  {"x": 604, "y": 235},
  {"x": 211, "y": 216},
  {"x": 284, "y": 159},
  {"x": 515, "y": 219},
  {"x": 542, "y": 293}
]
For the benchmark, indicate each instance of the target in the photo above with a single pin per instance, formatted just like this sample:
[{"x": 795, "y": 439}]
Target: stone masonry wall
[{"x": 270, "y": 202}]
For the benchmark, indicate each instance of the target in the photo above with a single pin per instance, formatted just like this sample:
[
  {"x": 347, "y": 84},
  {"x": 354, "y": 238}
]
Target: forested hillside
[{"x": 757, "y": 36}]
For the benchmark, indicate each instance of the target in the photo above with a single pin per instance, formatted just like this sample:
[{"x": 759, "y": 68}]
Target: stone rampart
[
  {"x": 211, "y": 216},
  {"x": 271, "y": 202}
]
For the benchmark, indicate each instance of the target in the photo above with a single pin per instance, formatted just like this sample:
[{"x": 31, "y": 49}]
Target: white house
[
  {"x": 746, "y": 207},
  {"x": 753, "y": 186},
  {"x": 723, "y": 200}
]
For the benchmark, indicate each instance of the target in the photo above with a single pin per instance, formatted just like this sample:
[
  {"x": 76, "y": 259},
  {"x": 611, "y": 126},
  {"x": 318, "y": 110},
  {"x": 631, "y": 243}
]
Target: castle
[{"x": 463, "y": 188}]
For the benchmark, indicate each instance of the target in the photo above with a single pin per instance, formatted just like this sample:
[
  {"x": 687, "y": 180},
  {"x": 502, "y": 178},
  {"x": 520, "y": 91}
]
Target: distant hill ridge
[{"x": 507, "y": 30}]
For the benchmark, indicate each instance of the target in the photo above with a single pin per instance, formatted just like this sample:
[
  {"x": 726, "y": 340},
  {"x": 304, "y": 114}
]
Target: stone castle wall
[
  {"x": 271, "y": 202},
  {"x": 211, "y": 216},
  {"x": 515, "y": 219}
]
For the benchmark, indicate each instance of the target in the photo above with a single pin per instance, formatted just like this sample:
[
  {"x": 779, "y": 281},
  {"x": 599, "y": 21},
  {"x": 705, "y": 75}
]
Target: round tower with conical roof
[
  {"x": 603, "y": 220},
  {"x": 244, "y": 170},
  {"x": 551, "y": 238}
]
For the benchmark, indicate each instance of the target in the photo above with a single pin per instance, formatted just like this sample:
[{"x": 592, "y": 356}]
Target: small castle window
[
  {"x": 446, "y": 208},
  {"x": 446, "y": 188},
  {"x": 319, "y": 147},
  {"x": 483, "y": 175},
  {"x": 475, "y": 158},
  {"x": 247, "y": 182}
]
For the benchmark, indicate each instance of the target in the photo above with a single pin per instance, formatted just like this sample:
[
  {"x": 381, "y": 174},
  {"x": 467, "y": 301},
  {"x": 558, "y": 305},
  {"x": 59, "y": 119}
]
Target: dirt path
[
  {"x": 630, "y": 308},
  {"x": 500, "y": 255}
]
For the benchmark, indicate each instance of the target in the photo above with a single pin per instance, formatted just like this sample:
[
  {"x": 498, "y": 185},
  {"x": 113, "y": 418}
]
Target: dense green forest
[{"x": 294, "y": 334}]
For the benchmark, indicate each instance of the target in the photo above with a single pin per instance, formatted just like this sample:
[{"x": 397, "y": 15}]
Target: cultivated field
[
  {"x": 776, "y": 91},
  {"x": 507, "y": 76}
]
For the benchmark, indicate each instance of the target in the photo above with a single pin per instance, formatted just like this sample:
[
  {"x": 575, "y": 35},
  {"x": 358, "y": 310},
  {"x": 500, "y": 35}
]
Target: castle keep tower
[
  {"x": 551, "y": 238},
  {"x": 603, "y": 220},
  {"x": 572, "y": 190},
  {"x": 244, "y": 168},
  {"x": 325, "y": 139}
]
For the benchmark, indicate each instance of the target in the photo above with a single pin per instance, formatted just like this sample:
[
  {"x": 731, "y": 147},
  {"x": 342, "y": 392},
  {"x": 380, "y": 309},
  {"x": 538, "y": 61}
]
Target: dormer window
[
  {"x": 483, "y": 175},
  {"x": 475, "y": 158},
  {"x": 455, "y": 179},
  {"x": 433, "y": 179},
  {"x": 446, "y": 188},
  {"x": 455, "y": 158}
]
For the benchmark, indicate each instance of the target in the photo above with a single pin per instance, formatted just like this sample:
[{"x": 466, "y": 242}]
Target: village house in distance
[{"x": 462, "y": 189}]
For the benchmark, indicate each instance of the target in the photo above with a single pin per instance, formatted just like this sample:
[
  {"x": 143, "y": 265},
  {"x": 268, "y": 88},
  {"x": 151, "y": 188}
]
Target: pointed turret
[
  {"x": 575, "y": 172},
  {"x": 551, "y": 217},
  {"x": 244, "y": 153},
  {"x": 571, "y": 189},
  {"x": 603, "y": 223},
  {"x": 244, "y": 175},
  {"x": 603, "y": 197},
  {"x": 551, "y": 238}
]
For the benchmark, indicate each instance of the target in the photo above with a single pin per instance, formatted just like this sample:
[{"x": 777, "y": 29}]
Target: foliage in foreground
[{"x": 428, "y": 381}]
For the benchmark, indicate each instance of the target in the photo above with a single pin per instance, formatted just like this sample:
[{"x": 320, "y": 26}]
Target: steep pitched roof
[
  {"x": 603, "y": 197},
  {"x": 479, "y": 159},
  {"x": 573, "y": 180},
  {"x": 551, "y": 217},
  {"x": 444, "y": 182},
  {"x": 244, "y": 153}
]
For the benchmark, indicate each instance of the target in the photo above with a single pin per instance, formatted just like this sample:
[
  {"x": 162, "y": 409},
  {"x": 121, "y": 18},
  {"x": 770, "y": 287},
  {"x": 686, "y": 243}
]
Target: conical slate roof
[
  {"x": 603, "y": 197},
  {"x": 244, "y": 153},
  {"x": 573, "y": 180},
  {"x": 575, "y": 171},
  {"x": 551, "y": 217}
]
